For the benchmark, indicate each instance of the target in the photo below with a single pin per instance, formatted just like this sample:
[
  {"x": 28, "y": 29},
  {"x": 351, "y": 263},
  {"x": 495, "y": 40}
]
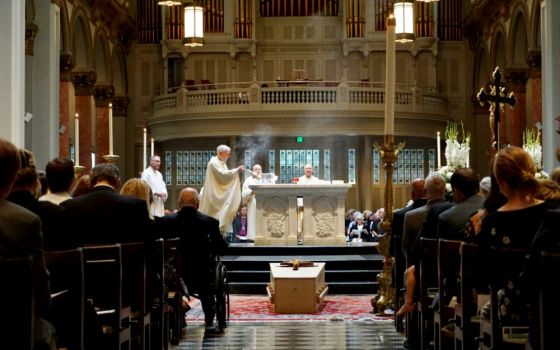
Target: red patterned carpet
[{"x": 245, "y": 308}]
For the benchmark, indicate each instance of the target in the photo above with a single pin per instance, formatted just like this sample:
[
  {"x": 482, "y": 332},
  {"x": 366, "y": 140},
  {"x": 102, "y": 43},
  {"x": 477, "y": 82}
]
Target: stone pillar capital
[
  {"x": 517, "y": 79},
  {"x": 31, "y": 30},
  {"x": 103, "y": 94},
  {"x": 533, "y": 59},
  {"x": 83, "y": 82},
  {"x": 120, "y": 106},
  {"x": 67, "y": 63}
]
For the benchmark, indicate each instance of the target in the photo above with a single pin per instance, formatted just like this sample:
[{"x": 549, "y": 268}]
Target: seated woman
[
  {"x": 358, "y": 230},
  {"x": 513, "y": 225},
  {"x": 240, "y": 226}
]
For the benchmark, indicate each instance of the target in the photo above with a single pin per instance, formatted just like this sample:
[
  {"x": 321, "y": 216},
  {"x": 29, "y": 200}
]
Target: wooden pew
[
  {"x": 103, "y": 286},
  {"x": 548, "y": 300},
  {"x": 466, "y": 327},
  {"x": 135, "y": 290},
  {"x": 448, "y": 270},
  {"x": 508, "y": 264},
  {"x": 175, "y": 292},
  {"x": 427, "y": 286},
  {"x": 66, "y": 270},
  {"x": 159, "y": 316},
  {"x": 16, "y": 303}
]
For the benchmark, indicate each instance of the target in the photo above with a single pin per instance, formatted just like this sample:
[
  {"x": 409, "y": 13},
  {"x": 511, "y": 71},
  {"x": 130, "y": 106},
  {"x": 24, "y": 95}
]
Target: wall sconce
[
  {"x": 404, "y": 15},
  {"x": 194, "y": 29}
]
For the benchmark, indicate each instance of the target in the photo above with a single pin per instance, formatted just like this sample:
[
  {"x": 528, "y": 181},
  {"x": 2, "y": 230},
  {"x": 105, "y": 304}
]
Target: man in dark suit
[
  {"x": 201, "y": 241},
  {"x": 452, "y": 223},
  {"x": 20, "y": 236},
  {"x": 104, "y": 216}
]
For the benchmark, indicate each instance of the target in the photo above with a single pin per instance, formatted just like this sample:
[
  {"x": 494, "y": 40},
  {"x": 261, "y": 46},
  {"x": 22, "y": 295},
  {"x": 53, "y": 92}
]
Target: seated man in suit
[
  {"x": 103, "y": 216},
  {"x": 201, "y": 241}
]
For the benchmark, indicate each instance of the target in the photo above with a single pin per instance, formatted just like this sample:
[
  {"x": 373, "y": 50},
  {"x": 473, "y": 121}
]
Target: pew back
[
  {"x": 16, "y": 303},
  {"x": 67, "y": 287},
  {"x": 548, "y": 300}
]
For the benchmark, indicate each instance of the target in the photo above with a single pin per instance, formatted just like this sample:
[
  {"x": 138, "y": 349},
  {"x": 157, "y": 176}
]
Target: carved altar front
[{"x": 323, "y": 214}]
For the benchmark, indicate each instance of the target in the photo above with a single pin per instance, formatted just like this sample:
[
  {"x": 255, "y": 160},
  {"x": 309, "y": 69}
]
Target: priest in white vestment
[
  {"x": 308, "y": 178},
  {"x": 256, "y": 178},
  {"x": 154, "y": 179},
  {"x": 221, "y": 197}
]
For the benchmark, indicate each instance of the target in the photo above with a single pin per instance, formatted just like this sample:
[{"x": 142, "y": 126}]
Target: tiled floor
[{"x": 295, "y": 336}]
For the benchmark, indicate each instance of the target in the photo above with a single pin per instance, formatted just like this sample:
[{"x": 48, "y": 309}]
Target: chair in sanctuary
[
  {"x": 103, "y": 287},
  {"x": 16, "y": 303},
  {"x": 66, "y": 271}
]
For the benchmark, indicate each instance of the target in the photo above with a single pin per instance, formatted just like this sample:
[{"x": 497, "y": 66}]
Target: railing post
[
  {"x": 343, "y": 95},
  {"x": 255, "y": 94}
]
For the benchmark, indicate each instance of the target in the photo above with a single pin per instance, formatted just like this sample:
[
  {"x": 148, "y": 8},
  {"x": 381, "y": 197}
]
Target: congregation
[{"x": 510, "y": 209}]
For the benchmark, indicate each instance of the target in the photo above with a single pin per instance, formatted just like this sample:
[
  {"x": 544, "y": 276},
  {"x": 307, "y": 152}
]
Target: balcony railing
[{"x": 277, "y": 96}]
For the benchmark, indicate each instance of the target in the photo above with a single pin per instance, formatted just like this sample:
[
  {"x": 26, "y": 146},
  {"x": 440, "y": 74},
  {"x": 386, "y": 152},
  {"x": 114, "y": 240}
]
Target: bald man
[{"x": 200, "y": 242}]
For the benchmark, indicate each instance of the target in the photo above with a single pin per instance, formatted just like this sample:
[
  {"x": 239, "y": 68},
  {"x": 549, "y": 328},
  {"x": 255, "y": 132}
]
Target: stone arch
[
  {"x": 482, "y": 72},
  {"x": 102, "y": 59},
  {"x": 118, "y": 68},
  {"x": 498, "y": 53},
  {"x": 518, "y": 39},
  {"x": 65, "y": 41},
  {"x": 81, "y": 41},
  {"x": 534, "y": 26}
]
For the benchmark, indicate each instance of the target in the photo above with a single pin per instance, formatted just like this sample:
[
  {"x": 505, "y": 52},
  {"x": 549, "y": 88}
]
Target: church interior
[{"x": 286, "y": 84}]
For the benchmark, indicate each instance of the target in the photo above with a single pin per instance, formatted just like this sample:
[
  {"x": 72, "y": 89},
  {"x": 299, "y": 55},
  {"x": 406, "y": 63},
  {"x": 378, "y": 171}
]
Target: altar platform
[{"x": 349, "y": 269}]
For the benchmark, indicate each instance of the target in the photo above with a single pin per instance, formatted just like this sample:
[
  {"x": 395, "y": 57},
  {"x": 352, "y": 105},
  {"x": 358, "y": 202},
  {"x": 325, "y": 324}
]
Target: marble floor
[{"x": 294, "y": 336}]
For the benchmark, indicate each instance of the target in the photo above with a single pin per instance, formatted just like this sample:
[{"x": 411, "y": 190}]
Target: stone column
[
  {"x": 83, "y": 84},
  {"x": 550, "y": 46},
  {"x": 120, "y": 112},
  {"x": 516, "y": 118},
  {"x": 533, "y": 59},
  {"x": 12, "y": 71},
  {"x": 102, "y": 96},
  {"x": 43, "y": 85},
  {"x": 66, "y": 65}
]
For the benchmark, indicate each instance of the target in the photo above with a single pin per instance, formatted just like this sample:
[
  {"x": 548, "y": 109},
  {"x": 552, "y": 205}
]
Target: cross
[
  {"x": 296, "y": 263},
  {"x": 497, "y": 99}
]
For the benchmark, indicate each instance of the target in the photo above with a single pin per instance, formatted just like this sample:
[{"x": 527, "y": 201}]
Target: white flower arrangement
[
  {"x": 532, "y": 145},
  {"x": 456, "y": 153}
]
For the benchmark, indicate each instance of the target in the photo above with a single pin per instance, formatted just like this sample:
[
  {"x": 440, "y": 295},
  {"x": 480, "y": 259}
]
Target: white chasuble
[{"x": 221, "y": 195}]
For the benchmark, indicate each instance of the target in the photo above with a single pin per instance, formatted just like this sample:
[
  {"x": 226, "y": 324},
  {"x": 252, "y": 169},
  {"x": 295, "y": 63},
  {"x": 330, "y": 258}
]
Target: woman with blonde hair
[{"x": 138, "y": 188}]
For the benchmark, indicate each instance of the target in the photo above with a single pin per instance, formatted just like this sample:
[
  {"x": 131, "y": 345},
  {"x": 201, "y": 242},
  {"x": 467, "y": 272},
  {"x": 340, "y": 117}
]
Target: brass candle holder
[{"x": 384, "y": 300}]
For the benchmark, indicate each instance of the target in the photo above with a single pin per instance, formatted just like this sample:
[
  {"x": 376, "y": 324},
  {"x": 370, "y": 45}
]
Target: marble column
[
  {"x": 43, "y": 85},
  {"x": 102, "y": 96},
  {"x": 66, "y": 65},
  {"x": 533, "y": 59},
  {"x": 516, "y": 118},
  {"x": 550, "y": 48},
  {"x": 12, "y": 71},
  {"x": 83, "y": 85}
]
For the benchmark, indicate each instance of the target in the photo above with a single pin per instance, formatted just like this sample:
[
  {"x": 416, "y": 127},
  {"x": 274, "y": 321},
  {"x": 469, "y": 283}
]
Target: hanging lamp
[
  {"x": 194, "y": 29},
  {"x": 404, "y": 16}
]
